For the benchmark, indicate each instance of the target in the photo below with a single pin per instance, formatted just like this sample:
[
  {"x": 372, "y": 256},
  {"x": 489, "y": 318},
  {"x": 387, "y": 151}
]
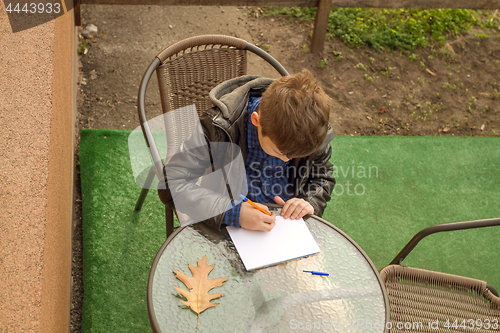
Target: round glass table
[{"x": 280, "y": 298}]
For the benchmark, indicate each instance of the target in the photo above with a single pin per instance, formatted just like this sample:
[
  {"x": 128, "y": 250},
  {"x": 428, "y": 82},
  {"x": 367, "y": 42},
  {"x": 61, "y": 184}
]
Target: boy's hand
[
  {"x": 253, "y": 219},
  {"x": 294, "y": 208}
]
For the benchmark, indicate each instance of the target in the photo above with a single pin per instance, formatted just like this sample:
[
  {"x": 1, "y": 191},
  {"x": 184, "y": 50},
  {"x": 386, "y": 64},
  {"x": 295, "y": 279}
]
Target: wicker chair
[
  {"x": 187, "y": 71},
  {"x": 418, "y": 298}
]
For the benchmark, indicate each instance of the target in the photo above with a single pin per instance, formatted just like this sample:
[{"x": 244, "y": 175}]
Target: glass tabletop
[{"x": 280, "y": 298}]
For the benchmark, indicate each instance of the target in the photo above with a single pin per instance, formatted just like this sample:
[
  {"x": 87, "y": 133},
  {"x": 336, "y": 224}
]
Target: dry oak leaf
[{"x": 198, "y": 298}]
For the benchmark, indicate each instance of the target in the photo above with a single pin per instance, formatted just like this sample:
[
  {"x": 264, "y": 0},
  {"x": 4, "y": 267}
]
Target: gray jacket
[{"x": 312, "y": 176}]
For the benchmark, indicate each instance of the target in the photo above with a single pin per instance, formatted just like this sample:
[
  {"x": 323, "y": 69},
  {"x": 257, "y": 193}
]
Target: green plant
[
  {"x": 480, "y": 35},
  {"x": 422, "y": 64},
  {"x": 392, "y": 29},
  {"x": 372, "y": 60},
  {"x": 323, "y": 63},
  {"x": 472, "y": 100},
  {"x": 82, "y": 48},
  {"x": 304, "y": 48},
  {"x": 422, "y": 81},
  {"x": 368, "y": 78},
  {"x": 413, "y": 57},
  {"x": 387, "y": 71},
  {"x": 361, "y": 66},
  {"x": 338, "y": 55},
  {"x": 446, "y": 85},
  {"x": 266, "y": 47}
]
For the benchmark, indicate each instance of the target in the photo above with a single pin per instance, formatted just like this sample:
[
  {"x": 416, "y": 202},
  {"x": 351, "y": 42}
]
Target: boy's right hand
[{"x": 253, "y": 219}]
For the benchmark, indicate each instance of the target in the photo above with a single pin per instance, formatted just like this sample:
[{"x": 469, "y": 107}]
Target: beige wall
[{"x": 37, "y": 107}]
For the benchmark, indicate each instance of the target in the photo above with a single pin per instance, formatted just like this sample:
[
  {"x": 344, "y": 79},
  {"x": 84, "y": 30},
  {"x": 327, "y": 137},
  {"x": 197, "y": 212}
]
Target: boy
[{"x": 282, "y": 130}]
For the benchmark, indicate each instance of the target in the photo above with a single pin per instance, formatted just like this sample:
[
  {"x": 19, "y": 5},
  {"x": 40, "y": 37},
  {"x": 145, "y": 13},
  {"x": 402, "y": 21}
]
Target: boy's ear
[{"x": 255, "y": 117}]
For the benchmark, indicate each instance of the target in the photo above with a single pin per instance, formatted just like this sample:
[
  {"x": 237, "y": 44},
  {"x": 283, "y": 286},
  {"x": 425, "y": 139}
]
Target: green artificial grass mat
[
  {"x": 414, "y": 183},
  {"x": 119, "y": 243},
  {"x": 399, "y": 186}
]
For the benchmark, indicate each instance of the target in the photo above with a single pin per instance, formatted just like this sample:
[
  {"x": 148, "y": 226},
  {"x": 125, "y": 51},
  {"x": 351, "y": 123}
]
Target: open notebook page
[{"x": 288, "y": 240}]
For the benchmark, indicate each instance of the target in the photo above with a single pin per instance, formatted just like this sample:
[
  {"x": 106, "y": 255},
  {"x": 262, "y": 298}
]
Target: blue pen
[{"x": 317, "y": 273}]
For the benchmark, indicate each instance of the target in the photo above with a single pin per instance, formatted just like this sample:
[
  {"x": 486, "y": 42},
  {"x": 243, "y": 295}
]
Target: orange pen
[{"x": 245, "y": 199}]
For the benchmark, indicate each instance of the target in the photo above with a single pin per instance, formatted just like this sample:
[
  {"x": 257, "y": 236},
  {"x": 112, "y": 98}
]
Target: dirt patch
[
  {"x": 441, "y": 91},
  {"x": 449, "y": 90},
  {"x": 445, "y": 90}
]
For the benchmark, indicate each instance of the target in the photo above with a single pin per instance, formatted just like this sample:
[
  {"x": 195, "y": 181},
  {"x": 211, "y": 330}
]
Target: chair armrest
[{"x": 439, "y": 228}]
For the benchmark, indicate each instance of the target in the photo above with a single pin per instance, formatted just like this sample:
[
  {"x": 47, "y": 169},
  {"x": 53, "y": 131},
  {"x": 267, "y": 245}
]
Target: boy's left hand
[{"x": 294, "y": 208}]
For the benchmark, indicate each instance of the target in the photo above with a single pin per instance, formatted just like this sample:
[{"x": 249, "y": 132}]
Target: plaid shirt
[{"x": 266, "y": 175}]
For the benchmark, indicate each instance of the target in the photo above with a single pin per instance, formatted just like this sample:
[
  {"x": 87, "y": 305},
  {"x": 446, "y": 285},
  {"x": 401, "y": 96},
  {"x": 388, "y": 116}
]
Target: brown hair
[{"x": 294, "y": 113}]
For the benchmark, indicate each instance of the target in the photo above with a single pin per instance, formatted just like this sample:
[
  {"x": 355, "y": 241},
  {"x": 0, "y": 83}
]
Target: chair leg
[
  {"x": 142, "y": 197},
  {"x": 145, "y": 190},
  {"x": 169, "y": 217}
]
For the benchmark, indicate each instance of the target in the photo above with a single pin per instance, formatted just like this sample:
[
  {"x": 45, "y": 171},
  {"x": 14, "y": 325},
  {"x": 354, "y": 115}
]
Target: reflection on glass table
[{"x": 280, "y": 298}]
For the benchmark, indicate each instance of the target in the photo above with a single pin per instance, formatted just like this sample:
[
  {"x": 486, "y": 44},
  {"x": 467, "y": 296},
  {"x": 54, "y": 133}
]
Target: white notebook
[{"x": 288, "y": 240}]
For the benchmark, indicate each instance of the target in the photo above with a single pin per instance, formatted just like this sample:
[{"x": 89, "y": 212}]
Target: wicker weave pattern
[
  {"x": 421, "y": 296},
  {"x": 188, "y": 77}
]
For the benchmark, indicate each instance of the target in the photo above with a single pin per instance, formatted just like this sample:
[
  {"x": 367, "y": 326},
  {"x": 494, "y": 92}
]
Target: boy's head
[{"x": 292, "y": 118}]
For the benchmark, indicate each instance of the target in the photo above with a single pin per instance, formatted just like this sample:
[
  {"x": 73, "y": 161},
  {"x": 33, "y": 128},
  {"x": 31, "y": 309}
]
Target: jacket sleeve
[
  {"x": 320, "y": 182},
  {"x": 181, "y": 190}
]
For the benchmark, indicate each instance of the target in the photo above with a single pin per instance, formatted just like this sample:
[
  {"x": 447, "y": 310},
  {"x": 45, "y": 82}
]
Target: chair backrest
[
  {"x": 423, "y": 301},
  {"x": 192, "y": 67},
  {"x": 426, "y": 300},
  {"x": 187, "y": 77}
]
